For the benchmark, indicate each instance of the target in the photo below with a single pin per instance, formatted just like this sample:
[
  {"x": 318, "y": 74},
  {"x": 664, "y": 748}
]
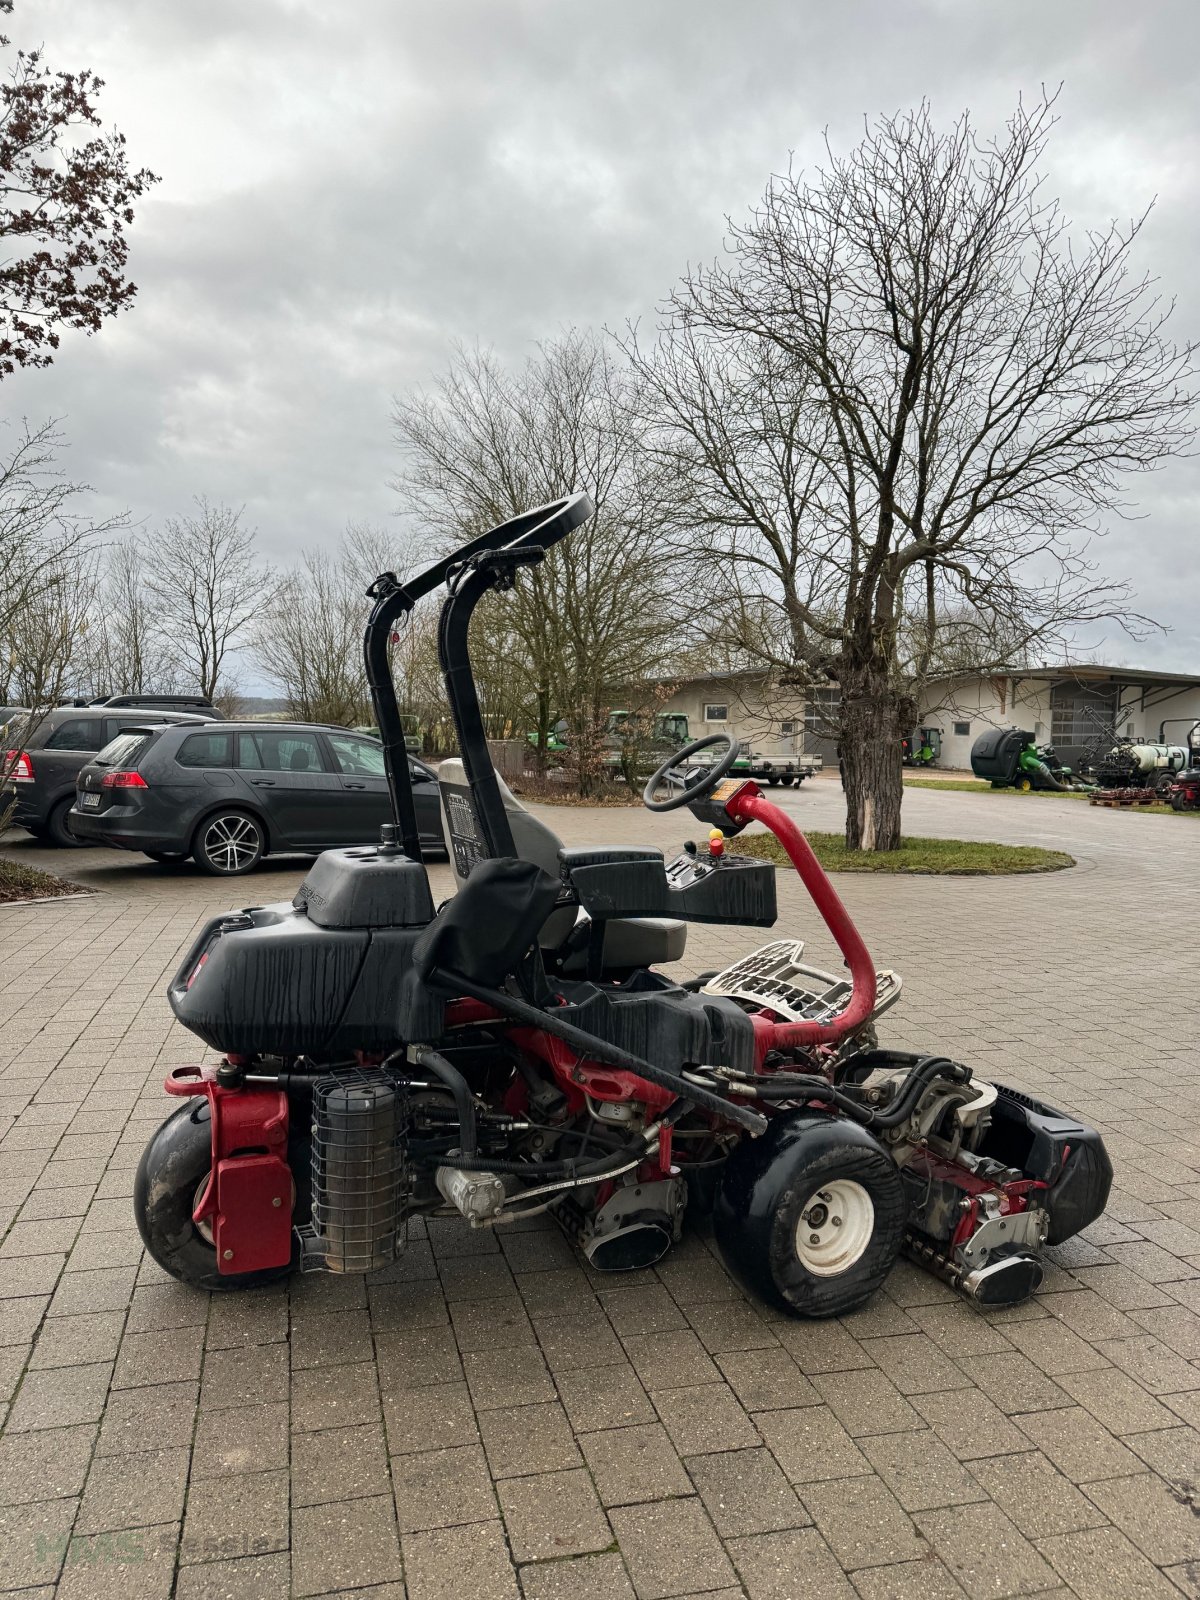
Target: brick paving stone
[
  {"x": 915, "y": 1365},
  {"x": 969, "y": 1424},
  {"x": 235, "y": 1321},
  {"x": 555, "y": 1514},
  {"x": 498, "y": 1324},
  {"x": 729, "y": 1325},
  {"x": 246, "y": 1578},
  {"x": 334, "y": 1397},
  {"x": 347, "y": 1544},
  {"x": 144, "y": 1489},
  {"x": 526, "y": 1439},
  {"x": 670, "y": 1360},
  {"x": 412, "y": 1358},
  {"x": 1116, "y": 1400},
  {"x": 671, "y": 1548},
  {"x": 1174, "y": 1453},
  {"x": 136, "y": 1564},
  {"x": 866, "y": 1402},
  {"x": 1078, "y": 1445},
  {"x": 1162, "y": 1519},
  {"x": 645, "y": 1309},
  {"x": 507, "y": 1377},
  {"x": 255, "y": 1439},
  {"x": 786, "y": 1566},
  {"x": 333, "y": 1340},
  {"x": 986, "y": 1552},
  {"x": 1014, "y": 1383},
  {"x": 810, "y": 1444},
  {"x": 78, "y": 1341},
  {"x": 141, "y": 1419},
  {"x": 911, "y": 1580},
  {"x": 437, "y": 1416},
  {"x": 441, "y": 1488},
  {"x": 60, "y": 1397},
  {"x": 744, "y": 1491},
  {"x": 167, "y": 1305},
  {"x": 453, "y": 1563},
  {"x": 581, "y": 1578},
  {"x": 635, "y": 1463},
  {"x": 33, "y": 1541},
  {"x": 822, "y": 1347},
  {"x": 235, "y": 1516},
  {"x": 1155, "y": 1366},
  {"x": 570, "y": 1343},
  {"x": 604, "y": 1397},
  {"x": 706, "y": 1417},
  {"x": 1101, "y": 1564},
  {"x": 244, "y": 1376},
  {"x": 44, "y": 1466},
  {"x": 863, "y": 1523},
  {"x": 921, "y": 1471},
  {"x": 342, "y": 1464},
  {"x": 1054, "y": 1347},
  {"x": 767, "y": 1380},
  {"x": 1036, "y": 1495}
]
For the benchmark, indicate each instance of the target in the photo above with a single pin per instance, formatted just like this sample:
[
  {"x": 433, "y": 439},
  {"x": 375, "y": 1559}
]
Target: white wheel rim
[
  {"x": 231, "y": 843},
  {"x": 835, "y": 1228}
]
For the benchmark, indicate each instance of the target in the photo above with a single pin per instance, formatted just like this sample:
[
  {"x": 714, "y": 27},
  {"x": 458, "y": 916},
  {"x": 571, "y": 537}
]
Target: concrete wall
[{"x": 748, "y": 716}]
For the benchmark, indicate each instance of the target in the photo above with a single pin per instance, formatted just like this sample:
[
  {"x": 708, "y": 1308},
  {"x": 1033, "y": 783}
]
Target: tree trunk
[{"x": 874, "y": 718}]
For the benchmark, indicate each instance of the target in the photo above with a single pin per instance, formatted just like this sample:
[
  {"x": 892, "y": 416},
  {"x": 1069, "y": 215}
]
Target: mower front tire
[
  {"x": 811, "y": 1216},
  {"x": 170, "y": 1178}
]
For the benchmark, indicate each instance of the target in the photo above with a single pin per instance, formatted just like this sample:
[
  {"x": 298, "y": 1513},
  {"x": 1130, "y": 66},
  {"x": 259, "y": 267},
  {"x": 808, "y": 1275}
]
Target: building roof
[{"x": 1088, "y": 672}]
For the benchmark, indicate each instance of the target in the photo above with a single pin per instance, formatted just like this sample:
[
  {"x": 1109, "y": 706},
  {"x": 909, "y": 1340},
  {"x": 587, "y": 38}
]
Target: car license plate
[{"x": 89, "y": 802}]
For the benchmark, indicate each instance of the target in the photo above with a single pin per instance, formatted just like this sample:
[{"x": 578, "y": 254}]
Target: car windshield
[{"x": 125, "y": 749}]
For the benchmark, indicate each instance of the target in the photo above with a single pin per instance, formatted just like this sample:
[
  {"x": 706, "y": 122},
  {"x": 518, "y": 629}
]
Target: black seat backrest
[{"x": 489, "y": 925}]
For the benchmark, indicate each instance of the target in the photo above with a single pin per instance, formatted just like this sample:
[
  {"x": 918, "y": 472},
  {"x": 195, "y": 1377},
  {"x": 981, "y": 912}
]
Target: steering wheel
[{"x": 707, "y": 781}]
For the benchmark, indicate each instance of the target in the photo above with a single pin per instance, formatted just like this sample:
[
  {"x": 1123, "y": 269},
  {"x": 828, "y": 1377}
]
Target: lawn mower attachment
[{"x": 518, "y": 1051}]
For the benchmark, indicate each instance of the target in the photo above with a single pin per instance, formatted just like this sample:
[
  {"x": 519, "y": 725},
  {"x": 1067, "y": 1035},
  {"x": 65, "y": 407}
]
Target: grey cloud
[{"x": 347, "y": 189}]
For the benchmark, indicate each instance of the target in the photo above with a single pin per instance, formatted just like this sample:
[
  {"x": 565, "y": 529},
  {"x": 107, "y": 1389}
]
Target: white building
[{"x": 1070, "y": 707}]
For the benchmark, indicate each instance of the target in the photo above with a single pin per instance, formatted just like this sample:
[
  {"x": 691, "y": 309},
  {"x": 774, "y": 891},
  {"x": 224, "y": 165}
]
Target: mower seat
[{"x": 629, "y": 942}]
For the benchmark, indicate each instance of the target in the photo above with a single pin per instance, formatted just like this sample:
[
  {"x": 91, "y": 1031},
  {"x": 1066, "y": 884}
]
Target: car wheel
[
  {"x": 58, "y": 830},
  {"x": 229, "y": 843},
  {"x": 166, "y": 855}
]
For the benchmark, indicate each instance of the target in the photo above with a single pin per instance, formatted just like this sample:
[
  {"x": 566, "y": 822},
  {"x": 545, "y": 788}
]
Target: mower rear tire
[
  {"x": 811, "y": 1216},
  {"x": 170, "y": 1178}
]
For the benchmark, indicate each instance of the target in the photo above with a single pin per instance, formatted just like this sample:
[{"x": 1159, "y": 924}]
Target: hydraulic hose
[
  {"x": 751, "y": 806},
  {"x": 599, "y": 1050},
  {"x": 422, "y": 1056},
  {"x": 793, "y": 1085}
]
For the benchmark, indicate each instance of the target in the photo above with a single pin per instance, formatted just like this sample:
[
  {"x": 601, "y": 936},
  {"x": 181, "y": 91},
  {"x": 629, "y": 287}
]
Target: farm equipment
[
  {"x": 922, "y": 748},
  {"x": 1184, "y": 792},
  {"x": 1128, "y": 764},
  {"x": 519, "y": 1051},
  {"x": 1009, "y": 759}
]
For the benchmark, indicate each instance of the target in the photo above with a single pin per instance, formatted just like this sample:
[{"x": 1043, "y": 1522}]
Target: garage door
[{"x": 1080, "y": 716}]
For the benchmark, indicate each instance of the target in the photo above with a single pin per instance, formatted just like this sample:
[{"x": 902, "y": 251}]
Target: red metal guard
[
  {"x": 248, "y": 1198},
  {"x": 749, "y": 804}
]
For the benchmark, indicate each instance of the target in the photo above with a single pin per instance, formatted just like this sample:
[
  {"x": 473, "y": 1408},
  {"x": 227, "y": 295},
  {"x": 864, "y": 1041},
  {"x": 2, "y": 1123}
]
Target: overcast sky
[{"x": 347, "y": 188}]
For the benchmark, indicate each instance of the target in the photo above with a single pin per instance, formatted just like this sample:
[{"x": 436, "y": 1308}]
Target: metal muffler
[{"x": 359, "y": 1173}]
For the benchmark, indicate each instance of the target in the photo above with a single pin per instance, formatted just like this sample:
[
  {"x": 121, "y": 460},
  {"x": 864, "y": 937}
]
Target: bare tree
[
  {"x": 206, "y": 588},
  {"x": 486, "y": 444},
  {"x": 910, "y": 394},
  {"x": 121, "y": 649}
]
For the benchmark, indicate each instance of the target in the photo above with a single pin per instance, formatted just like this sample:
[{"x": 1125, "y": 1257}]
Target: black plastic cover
[
  {"x": 491, "y": 922},
  {"x": 1056, "y": 1149},
  {"x": 366, "y": 888},
  {"x": 995, "y": 753},
  {"x": 636, "y": 883},
  {"x": 653, "y": 1018}
]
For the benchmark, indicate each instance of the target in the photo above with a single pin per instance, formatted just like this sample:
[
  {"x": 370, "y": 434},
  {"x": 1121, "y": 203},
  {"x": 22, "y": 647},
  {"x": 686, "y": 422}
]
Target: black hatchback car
[
  {"x": 229, "y": 794},
  {"x": 43, "y": 752}
]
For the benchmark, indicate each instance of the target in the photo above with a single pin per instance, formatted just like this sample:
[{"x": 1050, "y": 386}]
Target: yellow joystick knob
[{"x": 716, "y": 842}]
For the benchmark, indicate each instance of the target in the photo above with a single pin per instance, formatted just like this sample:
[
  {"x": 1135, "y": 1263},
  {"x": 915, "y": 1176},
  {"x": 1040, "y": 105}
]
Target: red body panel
[{"x": 248, "y": 1197}]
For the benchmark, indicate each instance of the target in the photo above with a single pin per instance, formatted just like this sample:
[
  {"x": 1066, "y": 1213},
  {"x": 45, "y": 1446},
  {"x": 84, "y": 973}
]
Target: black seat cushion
[{"x": 490, "y": 923}]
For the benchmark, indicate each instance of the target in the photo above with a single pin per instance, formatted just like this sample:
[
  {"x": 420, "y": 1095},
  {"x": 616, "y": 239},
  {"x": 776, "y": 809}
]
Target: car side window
[
  {"x": 248, "y": 758},
  {"x": 205, "y": 750},
  {"x": 284, "y": 751},
  {"x": 357, "y": 758},
  {"x": 78, "y": 733}
]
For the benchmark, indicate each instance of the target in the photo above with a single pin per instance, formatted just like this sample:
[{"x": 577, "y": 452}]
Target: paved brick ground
[{"x": 489, "y": 1419}]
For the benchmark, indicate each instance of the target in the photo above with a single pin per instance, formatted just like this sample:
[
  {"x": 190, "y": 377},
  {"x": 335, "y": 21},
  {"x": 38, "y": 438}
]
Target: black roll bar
[{"x": 394, "y": 599}]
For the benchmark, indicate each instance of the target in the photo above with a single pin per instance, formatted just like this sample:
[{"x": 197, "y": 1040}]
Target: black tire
[
  {"x": 57, "y": 830},
  {"x": 166, "y": 855},
  {"x": 229, "y": 843},
  {"x": 173, "y": 1166},
  {"x": 787, "y": 782},
  {"x": 811, "y": 1166}
]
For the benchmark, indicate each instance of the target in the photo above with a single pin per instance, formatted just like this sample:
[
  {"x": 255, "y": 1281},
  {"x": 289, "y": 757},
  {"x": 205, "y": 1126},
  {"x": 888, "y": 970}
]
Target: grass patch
[
  {"x": 956, "y": 857},
  {"x": 19, "y": 882},
  {"x": 980, "y": 786}
]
